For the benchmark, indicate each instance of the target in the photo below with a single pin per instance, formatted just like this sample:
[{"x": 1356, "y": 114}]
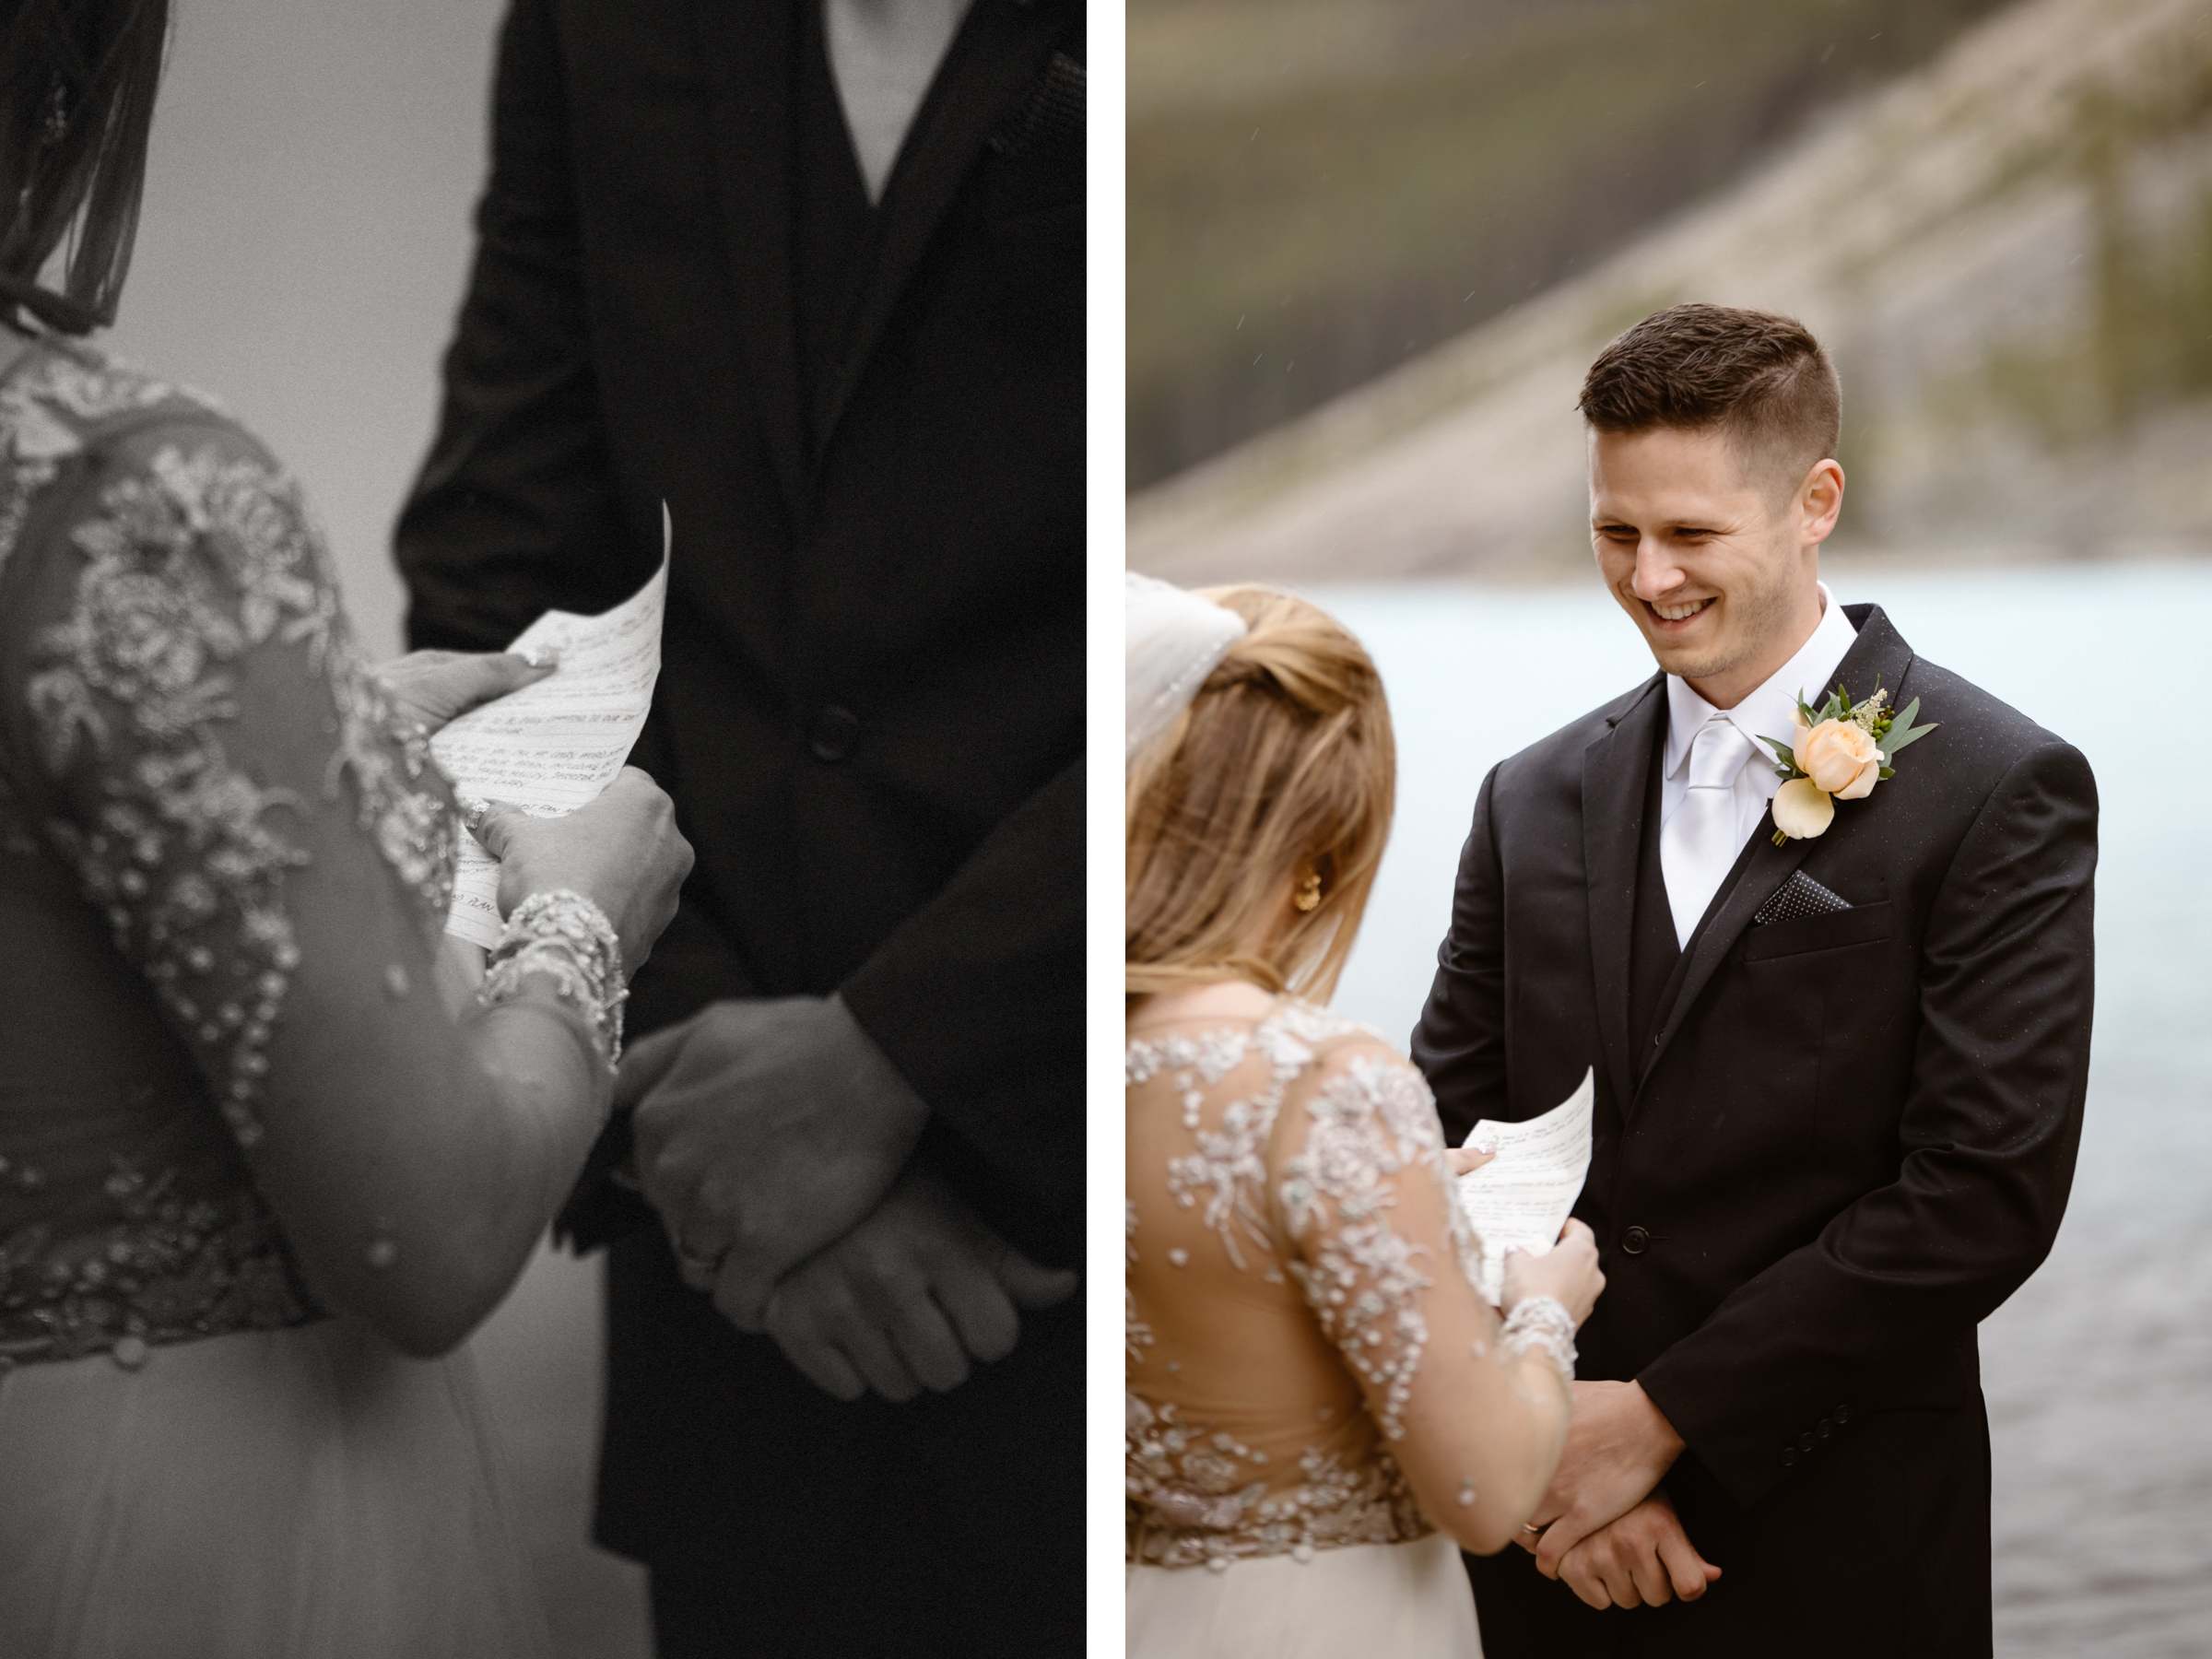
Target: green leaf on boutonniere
[
  {"x": 1781, "y": 752},
  {"x": 1909, "y": 733},
  {"x": 1886, "y": 773}
]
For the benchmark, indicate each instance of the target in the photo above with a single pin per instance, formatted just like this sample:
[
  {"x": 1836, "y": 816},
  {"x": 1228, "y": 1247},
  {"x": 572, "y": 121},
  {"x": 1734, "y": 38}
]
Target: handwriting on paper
[
  {"x": 1524, "y": 1195},
  {"x": 552, "y": 746}
]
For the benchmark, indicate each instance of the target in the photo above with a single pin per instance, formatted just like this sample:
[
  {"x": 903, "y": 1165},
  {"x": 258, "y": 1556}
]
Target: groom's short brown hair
[{"x": 1759, "y": 379}]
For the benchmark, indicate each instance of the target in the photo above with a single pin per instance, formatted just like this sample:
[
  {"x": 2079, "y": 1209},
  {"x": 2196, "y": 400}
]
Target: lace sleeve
[
  {"x": 272, "y": 852},
  {"x": 1387, "y": 1265}
]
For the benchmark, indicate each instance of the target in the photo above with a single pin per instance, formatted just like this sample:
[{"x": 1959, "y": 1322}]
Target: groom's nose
[{"x": 1657, "y": 574}]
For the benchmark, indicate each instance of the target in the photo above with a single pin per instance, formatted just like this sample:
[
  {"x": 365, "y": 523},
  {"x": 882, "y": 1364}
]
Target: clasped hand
[
  {"x": 764, "y": 1129},
  {"x": 1640, "y": 1560},
  {"x": 1619, "y": 1446},
  {"x": 908, "y": 1299},
  {"x": 776, "y": 1141}
]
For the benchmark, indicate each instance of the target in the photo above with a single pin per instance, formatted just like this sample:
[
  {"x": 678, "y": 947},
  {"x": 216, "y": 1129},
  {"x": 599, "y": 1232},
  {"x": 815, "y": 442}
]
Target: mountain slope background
[
  {"x": 1319, "y": 189},
  {"x": 2008, "y": 248}
]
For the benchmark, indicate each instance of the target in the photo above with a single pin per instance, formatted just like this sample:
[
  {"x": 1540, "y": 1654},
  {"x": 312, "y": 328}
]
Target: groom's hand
[
  {"x": 1643, "y": 1560},
  {"x": 906, "y": 1300},
  {"x": 1619, "y": 1446},
  {"x": 765, "y": 1130}
]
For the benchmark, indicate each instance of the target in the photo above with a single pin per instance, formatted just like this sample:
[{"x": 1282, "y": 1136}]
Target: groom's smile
[
  {"x": 1676, "y": 615},
  {"x": 1703, "y": 548}
]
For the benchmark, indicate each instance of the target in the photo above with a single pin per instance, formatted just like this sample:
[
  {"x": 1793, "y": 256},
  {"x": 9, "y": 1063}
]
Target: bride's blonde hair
[{"x": 1283, "y": 764}]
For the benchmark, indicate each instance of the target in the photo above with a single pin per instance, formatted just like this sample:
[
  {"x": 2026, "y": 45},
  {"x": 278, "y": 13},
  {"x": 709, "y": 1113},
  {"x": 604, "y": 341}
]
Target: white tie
[
  {"x": 883, "y": 54},
  {"x": 1700, "y": 842}
]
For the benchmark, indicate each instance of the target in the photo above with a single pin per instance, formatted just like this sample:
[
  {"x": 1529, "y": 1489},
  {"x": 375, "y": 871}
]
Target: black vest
[{"x": 1653, "y": 955}]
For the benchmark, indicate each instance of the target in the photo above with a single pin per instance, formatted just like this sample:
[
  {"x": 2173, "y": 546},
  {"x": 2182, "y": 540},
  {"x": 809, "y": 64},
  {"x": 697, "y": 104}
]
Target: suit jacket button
[
  {"x": 1805, "y": 1442},
  {"x": 1842, "y": 1415},
  {"x": 1824, "y": 1431},
  {"x": 836, "y": 729},
  {"x": 1634, "y": 1240},
  {"x": 1789, "y": 1457}
]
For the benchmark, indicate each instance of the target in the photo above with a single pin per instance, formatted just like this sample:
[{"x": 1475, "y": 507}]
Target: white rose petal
[{"x": 1802, "y": 809}]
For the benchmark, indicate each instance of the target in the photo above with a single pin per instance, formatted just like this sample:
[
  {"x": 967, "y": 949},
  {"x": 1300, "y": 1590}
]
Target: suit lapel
[
  {"x": 754, "y": 50},
  {"x": 1878, "y": 655},
  {"x": 1002, "y": 47},
  {"x": 1617, "y": 770}
]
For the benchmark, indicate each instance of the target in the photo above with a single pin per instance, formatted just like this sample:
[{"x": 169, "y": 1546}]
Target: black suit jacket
[
  {"x": 1842, "y": 1141},
  {"x": 871, "y": 698}
]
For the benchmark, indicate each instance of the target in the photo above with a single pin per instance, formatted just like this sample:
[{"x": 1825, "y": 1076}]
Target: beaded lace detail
[
  {"x": 1541, "y": 1324},
  {"x": 198, "y": 589},
  {"x": 173, "y": 1262},
  {"x": 1270, "y": 1283},
  {"x": 186, "y": 569},
  {"x": 563, "y": 937}
]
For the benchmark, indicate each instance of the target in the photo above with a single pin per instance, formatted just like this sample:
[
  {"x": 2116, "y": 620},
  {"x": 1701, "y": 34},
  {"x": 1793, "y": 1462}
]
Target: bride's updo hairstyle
[
  {"x": 78, "y": 80},
  {"x": 1282, "y": 766}
]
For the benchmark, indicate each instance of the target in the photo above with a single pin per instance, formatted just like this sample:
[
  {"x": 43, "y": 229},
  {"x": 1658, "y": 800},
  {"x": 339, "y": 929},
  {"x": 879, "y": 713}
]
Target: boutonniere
[{"x": 1840, "y": 751}]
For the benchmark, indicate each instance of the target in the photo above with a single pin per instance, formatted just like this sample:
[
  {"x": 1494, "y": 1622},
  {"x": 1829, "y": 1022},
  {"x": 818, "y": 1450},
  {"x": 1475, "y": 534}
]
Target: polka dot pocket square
[{"x": 1799, "y": 896}]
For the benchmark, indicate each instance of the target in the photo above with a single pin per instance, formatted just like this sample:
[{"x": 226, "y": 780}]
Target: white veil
[{"x": 1174, "y": 639}]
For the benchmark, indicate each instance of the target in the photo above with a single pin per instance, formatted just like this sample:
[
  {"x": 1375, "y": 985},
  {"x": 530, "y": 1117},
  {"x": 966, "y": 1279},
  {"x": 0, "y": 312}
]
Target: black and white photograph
[{"x": 542, "y": 608}]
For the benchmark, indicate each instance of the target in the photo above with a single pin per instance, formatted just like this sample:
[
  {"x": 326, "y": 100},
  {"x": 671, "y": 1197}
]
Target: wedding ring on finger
[{"x": 698, "y": 1271}]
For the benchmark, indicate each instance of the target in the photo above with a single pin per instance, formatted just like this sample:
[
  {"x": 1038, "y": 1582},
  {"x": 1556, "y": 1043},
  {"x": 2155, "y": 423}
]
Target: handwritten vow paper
[
  {"x": 1522, "y": 1198},
  {"x": 552, "y": 746}
]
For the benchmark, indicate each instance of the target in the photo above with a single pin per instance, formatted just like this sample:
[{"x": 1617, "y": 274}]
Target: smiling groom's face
[{"x": 1716, "y": 562}]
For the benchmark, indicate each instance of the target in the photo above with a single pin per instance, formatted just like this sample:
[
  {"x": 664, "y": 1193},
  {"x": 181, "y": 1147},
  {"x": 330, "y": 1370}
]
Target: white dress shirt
[
  {"x": 883, "y": 54},
  {"x": 1769, "y": 712}
]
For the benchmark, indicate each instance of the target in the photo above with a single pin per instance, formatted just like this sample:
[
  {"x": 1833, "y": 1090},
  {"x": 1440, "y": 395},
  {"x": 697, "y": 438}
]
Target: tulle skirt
[
  {"x": 1367, "y": 1598},
  {"x": 297, "y": 1494}
]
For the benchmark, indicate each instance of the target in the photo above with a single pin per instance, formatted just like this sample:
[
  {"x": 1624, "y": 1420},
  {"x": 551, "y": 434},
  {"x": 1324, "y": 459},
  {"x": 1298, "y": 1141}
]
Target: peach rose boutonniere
[{"x": 1837, "y": 752}]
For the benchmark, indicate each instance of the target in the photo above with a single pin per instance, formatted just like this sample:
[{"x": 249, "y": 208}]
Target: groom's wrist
[
  {"x": 1664, "y": 1442},
  {"x": 895, "y": 1115}
]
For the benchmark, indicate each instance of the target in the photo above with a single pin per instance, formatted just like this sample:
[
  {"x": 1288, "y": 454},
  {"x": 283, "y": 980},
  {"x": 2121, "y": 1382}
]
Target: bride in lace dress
[
  {"x": 269, "y": 1148},
  {"x": 1321, "y": 1409}
]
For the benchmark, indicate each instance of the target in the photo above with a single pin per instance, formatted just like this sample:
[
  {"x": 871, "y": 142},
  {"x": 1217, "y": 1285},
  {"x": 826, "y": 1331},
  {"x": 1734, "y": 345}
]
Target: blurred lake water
[{"x": 2098, "y": 1371}]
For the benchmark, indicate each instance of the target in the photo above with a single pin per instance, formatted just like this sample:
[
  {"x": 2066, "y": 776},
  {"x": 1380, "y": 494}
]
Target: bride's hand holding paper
[
  {"x": 621, "y": 850},
  {"x": 434, "y": 688},
  {"x": 1517, "y": 1182},
  {"x": 553, "y": 744}
]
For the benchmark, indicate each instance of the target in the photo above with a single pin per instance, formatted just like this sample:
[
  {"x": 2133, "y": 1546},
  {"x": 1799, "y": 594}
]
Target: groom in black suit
[
  {"x": 812, "y": 271},
  {"x": 1839, "y": 1078}
]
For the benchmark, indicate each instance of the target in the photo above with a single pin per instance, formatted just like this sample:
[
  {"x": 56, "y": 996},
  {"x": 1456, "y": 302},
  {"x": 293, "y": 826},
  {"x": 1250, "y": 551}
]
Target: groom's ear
[{"x": 1819, "y": 503}]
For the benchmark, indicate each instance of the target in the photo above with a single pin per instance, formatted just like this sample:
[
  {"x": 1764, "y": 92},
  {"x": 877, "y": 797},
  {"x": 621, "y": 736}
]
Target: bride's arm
[
  {"x": 272, "y": 855},
  {"x": 1474, "y": 1415}
]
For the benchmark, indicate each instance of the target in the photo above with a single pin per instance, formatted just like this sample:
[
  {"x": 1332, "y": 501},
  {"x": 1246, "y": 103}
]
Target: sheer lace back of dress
[
  {"x": 1287, "y": 1220},
  {"x": 162, "y": 587}
]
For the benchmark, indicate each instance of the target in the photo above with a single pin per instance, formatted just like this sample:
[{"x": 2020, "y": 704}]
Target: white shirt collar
[{"x": 1771, "y": 710}]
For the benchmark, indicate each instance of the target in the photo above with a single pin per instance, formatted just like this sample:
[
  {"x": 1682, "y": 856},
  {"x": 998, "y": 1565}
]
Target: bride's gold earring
[{"x": 1308, "y": 896}]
